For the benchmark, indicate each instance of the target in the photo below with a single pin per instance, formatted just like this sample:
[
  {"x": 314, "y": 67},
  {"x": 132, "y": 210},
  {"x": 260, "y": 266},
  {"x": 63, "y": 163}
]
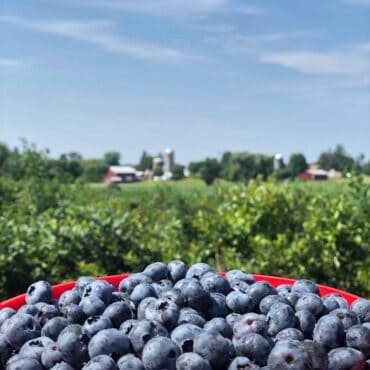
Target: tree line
[{"x": 27, "y": 161}]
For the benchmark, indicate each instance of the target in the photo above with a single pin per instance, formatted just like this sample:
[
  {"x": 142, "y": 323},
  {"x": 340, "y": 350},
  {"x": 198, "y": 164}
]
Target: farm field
[{"x": 57, "y": 232}]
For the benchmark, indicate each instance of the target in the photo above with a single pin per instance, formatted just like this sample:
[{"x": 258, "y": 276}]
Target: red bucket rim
[{"x": 18, "y": 301}]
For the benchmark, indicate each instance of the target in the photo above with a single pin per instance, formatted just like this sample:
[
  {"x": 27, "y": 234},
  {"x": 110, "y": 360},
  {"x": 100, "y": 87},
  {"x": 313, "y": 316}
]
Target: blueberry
[
  {"x": 141, "y": 291},
  {"x": 250, "y": 323},
  {"x": 143, "y": 305},
  {"x": 232, "y": 317},
  {"x": 160, "y": 353},
  {"x": 46, "y": 312},
  {"x": 197, "y": 270},
  {"x": 254, "y": 346},
  {"x": 39, "y": 292},
  {"x": 196, "y": 296},
  {"x": 215, "y": 283},
  {"x": 184, "y": 335},
  {"x": 288, "y": 355},
  {"x": 260, "y": 290},
  {"x": 317, "y": 355},
  {"x": 305, "y": 286},
  {"x": 310, "y": 302},
  {"x": 191, "y": 316},
  {"x": 192, "y": 361},
  {"x": 333, "y": 301},
  {"x": 176, "y": 270},
  {"x": 162, "y": 286},
  {"x": 269, "y": 300},
  {"x": 21, "y": 328},
  {"x": 72, "y": 343},
  {"x": 53, "y": 327},
  {"x": 73, "y": 313},
  {"x": 143, "y": 332},
  {"x": 120, "y": 297},
  {"x": 101, "y": 362},
  {"x": 5, "y": 313},
  {"x": 81, "y": 283},
  {"x": 173, "y": 295},
  {"x": 279, "y": 317},
  {"x": 118, "y": 312},
  {"x": 94, "y": 324},
  {"x": 362, "y": 308},
  {"x": 128, "y": 325},
  {"x": 163, "y": 311},
  {"x": 110, "y": 342},
  {"x": 24, "y": 363},
  {"x": 344, "y": 358},
  {"x": 348, "y": 317},
  {"x": 29, "y": 309},
  {"x": 5, "y": 351},
  {"x": 236, "y": 276},
  {"x": 284, "y": 288},
  {"x": 50, "y": 357},
  {"x": 289, "y": 333},
  {"x": 100, "y": 289},
  {"x": 242, "y": 363},
  {"x": 240, "y": 302},
  {"x": 213, "y": 348},
  {"x": 219, "y": 325},
  {"x": 358, "y": 337},
  {"x": 62, "y": 366},
  {"x": 68, "y": 297},
  {"x": 329, "y": 332},
  {"x": 156, "y": 271},
  {"x": 218, "y": 307},
  {"x": 306, "y": 322},
  {"x": 34, "y": 347},
  {"x": 129, "y": 362},
  {"x": 92, "y": 305}
]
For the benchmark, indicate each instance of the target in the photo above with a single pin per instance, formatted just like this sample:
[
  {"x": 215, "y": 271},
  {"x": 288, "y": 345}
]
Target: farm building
[
  {"x": 121, "y": 174},
  {"x": 313, "y": 174}
]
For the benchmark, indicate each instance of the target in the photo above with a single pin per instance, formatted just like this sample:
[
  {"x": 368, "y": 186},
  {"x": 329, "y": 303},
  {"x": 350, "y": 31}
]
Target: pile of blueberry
[{"x": 174, "y": 317}]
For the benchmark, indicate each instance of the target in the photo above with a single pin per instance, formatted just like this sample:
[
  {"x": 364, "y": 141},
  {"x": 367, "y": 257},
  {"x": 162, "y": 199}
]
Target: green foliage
[
  {"x": 112, "y": 158},
  {"x": 210, "y": 170},
  {"x": 177, "y": 172},
  {"x": 337, "y": 159},
  {"x": 57, "y": 232},
  {"x": 94, "y": 170},
  {"x": 146, "y": 162},
  {"x": 297, "y": 164}
]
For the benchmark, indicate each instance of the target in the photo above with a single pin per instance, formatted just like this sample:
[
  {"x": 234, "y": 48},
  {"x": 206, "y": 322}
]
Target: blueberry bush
[{"x": 57, "y": 232}]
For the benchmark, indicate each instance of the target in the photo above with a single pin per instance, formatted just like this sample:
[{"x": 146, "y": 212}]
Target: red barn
[
  {"x": 313, "y": 174},
  {"x": 121, "y": 174}
]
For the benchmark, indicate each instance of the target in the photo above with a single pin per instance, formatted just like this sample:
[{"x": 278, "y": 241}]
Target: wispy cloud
[
  {"x": 249, "y": 10},
  {"x": 11, "y": 63},
  {"x": 100, "y": 33},
  {"x": 347, "y": 62},
  {"x": 240, "y": 43}
]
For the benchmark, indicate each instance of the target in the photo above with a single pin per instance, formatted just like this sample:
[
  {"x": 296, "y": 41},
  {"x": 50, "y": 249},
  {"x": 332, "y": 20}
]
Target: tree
[
  {"x": 194, "y": 167},
  {"x": 177, "y": 172},
  {"x": 94, "y": 169},
  {"x": 337, "y": 159},
  {"x": 210, "y": 170},
  {"x": 112, "y": 158},
  {"x": 146, "y": 162},
  {"x": 297, "y": 164}
]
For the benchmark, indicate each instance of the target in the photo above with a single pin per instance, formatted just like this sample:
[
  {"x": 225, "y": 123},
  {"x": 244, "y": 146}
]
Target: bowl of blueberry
[{"x": 175, "y": 317}]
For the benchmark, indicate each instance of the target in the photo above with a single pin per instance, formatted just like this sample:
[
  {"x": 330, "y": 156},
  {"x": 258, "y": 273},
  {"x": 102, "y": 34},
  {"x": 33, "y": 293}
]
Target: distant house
[
  {"x": 313, "y": 174},
  {"x": 121, "y": 174}
]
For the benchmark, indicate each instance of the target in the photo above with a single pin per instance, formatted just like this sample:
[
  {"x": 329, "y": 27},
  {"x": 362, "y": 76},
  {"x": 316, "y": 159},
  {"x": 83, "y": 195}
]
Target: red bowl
[{"x": 19, "y": 301}]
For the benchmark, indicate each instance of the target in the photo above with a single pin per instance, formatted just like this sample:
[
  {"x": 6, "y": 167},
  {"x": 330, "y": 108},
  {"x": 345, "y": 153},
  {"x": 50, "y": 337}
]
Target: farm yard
[{"x": 58, "y": 232}]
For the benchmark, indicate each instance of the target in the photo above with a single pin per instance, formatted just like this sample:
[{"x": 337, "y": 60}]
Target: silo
[
  {"x": 169, "y": 160},
  {"x": 157, "y": 163},
  {"x": 278, "y": 162}
]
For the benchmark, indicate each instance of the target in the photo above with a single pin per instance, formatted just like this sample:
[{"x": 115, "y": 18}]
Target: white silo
[
  {"x": 278, "y": 162},
  {"x": 169, "y": 160}
]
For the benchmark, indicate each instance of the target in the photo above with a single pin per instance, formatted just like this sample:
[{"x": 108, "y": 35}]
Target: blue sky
[{"x": 200, "y": 76}]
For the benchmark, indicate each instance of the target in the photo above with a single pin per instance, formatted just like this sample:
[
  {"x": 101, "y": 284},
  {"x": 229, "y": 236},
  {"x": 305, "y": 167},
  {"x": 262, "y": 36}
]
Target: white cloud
[
  {"x": 248, "y": 10},
  {"x": 6, "y": 62},
  {"x": 100, "y": 33},
  {"x": 343, "y": 63}
]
